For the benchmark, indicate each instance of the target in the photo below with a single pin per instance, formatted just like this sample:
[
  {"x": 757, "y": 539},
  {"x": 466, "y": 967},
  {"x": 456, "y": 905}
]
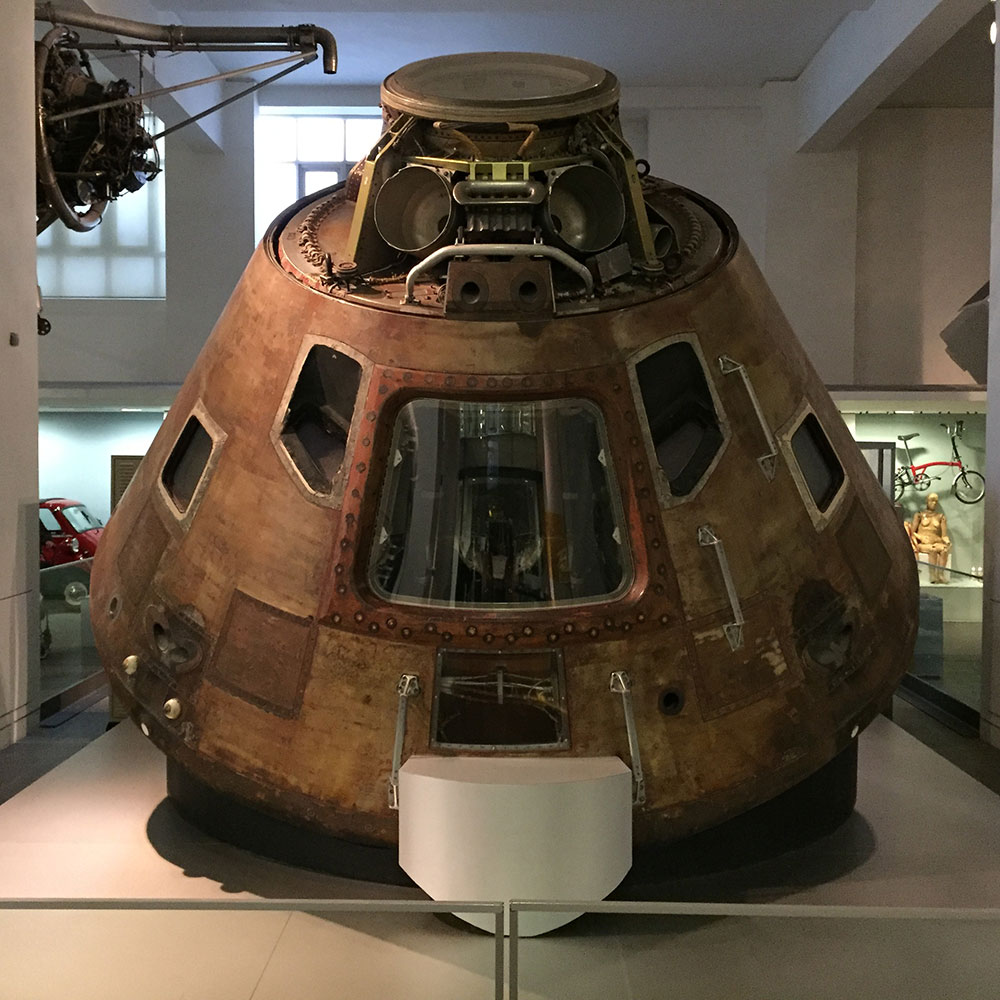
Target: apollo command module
[{"x": 501, "y": 448}]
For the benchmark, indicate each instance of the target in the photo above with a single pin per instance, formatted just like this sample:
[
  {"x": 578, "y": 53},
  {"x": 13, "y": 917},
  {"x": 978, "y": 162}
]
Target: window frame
[
  {"x": 386, "y": 422},
  {"x": 820, "y": 518},
  {"x": 336, "y": 495},
  {"x": 666, "y": 498},
  {"x": 218, "y": 437}
]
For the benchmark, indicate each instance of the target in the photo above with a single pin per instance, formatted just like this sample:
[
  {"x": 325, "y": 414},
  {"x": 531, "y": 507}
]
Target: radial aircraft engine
[{"x": 502, "y": 448}]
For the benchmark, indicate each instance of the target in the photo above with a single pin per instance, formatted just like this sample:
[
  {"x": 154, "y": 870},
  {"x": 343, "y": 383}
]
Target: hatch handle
[
  {"x": 768, "y": 461},
  {"x": 407, "y": 687},
  {"x": 707, "y": 538},
  {"x": 621, "y": 684}
]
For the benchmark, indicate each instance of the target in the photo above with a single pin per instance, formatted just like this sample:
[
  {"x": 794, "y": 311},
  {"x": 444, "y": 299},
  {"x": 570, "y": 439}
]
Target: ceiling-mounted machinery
[{"x": 90, "y": 142}]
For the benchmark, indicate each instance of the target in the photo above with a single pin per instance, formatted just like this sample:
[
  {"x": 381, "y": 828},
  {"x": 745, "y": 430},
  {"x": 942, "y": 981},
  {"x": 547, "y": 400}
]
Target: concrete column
[
  {"x": 990, "y": 705},
  {"x": 19, "y": 680}
]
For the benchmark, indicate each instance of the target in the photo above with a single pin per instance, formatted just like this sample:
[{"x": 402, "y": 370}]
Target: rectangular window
[
  {"x": 298, "y": 151},
  {"x": 817, "y": 461},
  {"x": 123, "y": 257},
  {"x": 494, "y": 504}
]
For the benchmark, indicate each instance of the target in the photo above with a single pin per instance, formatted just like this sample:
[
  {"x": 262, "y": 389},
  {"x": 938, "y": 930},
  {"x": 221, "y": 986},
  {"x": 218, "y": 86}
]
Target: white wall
[
  {"x": 18, "y": 382},
  {"x": 75, "y": 449},
  {"x": 924, "y": 188}
]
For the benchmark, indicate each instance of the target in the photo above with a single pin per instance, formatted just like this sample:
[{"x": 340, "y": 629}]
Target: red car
[{"x": 67, "y": 531}]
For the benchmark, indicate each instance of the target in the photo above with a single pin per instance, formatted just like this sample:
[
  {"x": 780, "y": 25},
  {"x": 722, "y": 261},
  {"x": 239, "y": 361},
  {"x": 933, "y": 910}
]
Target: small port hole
[
  {"x": 671, "y": 701},
  {"x": 470, "y": 293},
  {"x": 528, "y": 291}
]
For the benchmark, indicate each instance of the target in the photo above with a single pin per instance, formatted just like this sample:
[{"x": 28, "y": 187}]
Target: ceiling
[{"x": 700, "y": 43}]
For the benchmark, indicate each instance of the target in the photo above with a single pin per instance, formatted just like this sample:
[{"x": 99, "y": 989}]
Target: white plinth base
[{"x": 488, "y": 828}]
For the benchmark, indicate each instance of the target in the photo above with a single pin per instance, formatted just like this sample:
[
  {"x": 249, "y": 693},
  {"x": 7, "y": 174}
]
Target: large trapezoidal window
[
  {"x": 681, "y": 414},
  {"x": 187, "y": 463},
  {"x": 499, "y": 504},
  {"x": 817, "y": 461},
  {"x": 319, "y": 414}
]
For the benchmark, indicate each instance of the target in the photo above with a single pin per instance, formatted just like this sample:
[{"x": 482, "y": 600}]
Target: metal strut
[
  {"x": 768, "y": 461},
  {"x": 734, "y": 630},
  {"x": 621, "y": 684},
  {"x": 407, "y": 687}
]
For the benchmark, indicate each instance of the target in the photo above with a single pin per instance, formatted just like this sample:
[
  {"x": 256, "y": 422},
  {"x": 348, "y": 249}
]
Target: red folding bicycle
[{"x": 968, "y": 485}]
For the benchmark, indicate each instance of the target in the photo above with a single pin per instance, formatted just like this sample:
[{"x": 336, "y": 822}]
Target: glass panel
[
  {"x": 319, "y": 415},
  {"x": 817, "y": 461},
  {"x": 187, "y": 463},
  {"x": 47, "y": 268},
  {"x": 130, "y": 215},
  {"x": 84, "y": 277},
  {"x": 48, "y": 519},
  {"x": 681, "y": 414},
  {"x": 81, "y": 518},
  {"x": 274, "y": 137},
  {"x": 88, "y": 239},
  {"x": 499, "y": 700},
  {"x": 361, "y": 135},
  {"x": 44, "y": 239},
  {"x": 320, "y": 138},
  {"x": 132, "y": 277},
  {"x": 497, "y": 504},
  {"x": 316, "y": 180}
]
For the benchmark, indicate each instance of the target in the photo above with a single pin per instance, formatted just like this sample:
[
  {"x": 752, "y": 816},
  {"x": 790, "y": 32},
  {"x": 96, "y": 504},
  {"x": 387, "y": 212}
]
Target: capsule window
[
  {"x": 499, "y": 504},
  {"x": 487, "y": 701},
  {"x": 817, "y": 461},
  {"x": 316, "y": 425},
  {"x": 187, "y": 463},
  {"x": 683, "y": 424}
]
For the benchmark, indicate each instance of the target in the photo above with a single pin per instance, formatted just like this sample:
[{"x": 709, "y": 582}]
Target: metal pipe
[
  {"x": 178, "y": 37},
  {"x": 497, "y": 250}
]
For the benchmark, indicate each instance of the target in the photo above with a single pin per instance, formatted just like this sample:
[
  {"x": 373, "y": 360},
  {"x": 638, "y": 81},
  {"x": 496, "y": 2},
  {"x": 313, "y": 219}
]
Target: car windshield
[
  {"x": 80, "y": 518},
  {"x": 498, "y": 504}
]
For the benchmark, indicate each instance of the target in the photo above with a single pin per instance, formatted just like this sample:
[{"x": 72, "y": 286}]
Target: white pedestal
[{"x": 488, "y": 828}]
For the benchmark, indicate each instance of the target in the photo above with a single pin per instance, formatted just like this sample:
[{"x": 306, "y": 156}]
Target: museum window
[
  {"x": 301, "y": 150},
  {"x": 317, "y": 422},
  {"x": 124, "y": 257},
  {"x": 499, "y": 504},
  {"x": 187, "y": 463},
  {"x": 493, "y": 701},
  {"x": 684, "y": 429},
  {"x": 817, "y": 461}
]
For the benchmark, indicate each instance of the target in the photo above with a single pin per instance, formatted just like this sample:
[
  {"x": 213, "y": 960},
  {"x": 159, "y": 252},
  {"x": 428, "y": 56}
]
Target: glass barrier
[
  {"x": 775, "y": 951},
  {"x": 241, "y": 948},
  {"x": 66, "y": 642}
]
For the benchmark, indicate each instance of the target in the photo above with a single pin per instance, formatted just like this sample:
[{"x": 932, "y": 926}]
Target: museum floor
[{"x": 924, "y": 835}]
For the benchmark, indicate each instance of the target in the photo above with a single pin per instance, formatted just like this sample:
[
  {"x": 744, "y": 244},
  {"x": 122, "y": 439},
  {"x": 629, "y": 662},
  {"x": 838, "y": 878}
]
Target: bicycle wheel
[
  {"x": 922, "y": 481},
  {"x": 969, "y": 486},
  {"x": 899, "y": 485}
]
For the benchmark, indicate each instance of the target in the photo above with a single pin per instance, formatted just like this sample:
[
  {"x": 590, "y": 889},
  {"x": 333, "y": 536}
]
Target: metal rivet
[
  {"x": 430, "y": 627},
  {"x": 447, "y": 636},
  {"x": 373, "y": 627},
  {"x": 341, "y": 588},
  {"x": 655, "y": 543},
  {"x": 528, "y": 630},
  {"x": 471, "y": 630},
  {"x": 593, "y": 632},
  {"x": 488, "y": 637},
  {"x": 510, "y": 637},
  {"x": 407, "y": 632},
  {"x": 855, "y": 731},
  {"x": 172, "y": 709},
  {"x": 359, "y": 616},
  {"x": 390, "y": 622},
  {"x": 144, "y": 728},
  {"x": 626, "y": 626},
  {"x": 336, "y": 619},
  {"x": 568, "y": 627},
  {"x": 640, "y": 618},
  {"x": 553, "y": 637},
  {"x": 664, "y": 619},
  {"x": 130, "y": 664}
]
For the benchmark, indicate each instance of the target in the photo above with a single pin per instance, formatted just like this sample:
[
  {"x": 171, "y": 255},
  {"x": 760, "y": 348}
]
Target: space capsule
[{"x": 501, "y": 448}]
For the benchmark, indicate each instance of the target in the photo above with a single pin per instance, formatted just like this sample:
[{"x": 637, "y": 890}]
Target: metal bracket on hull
[
  {"x": 621, "y": 684},
  {"x": 407, "y": 687},
  {"x": 768, "y": 461},
  {"x": 734, "y": 630}
]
